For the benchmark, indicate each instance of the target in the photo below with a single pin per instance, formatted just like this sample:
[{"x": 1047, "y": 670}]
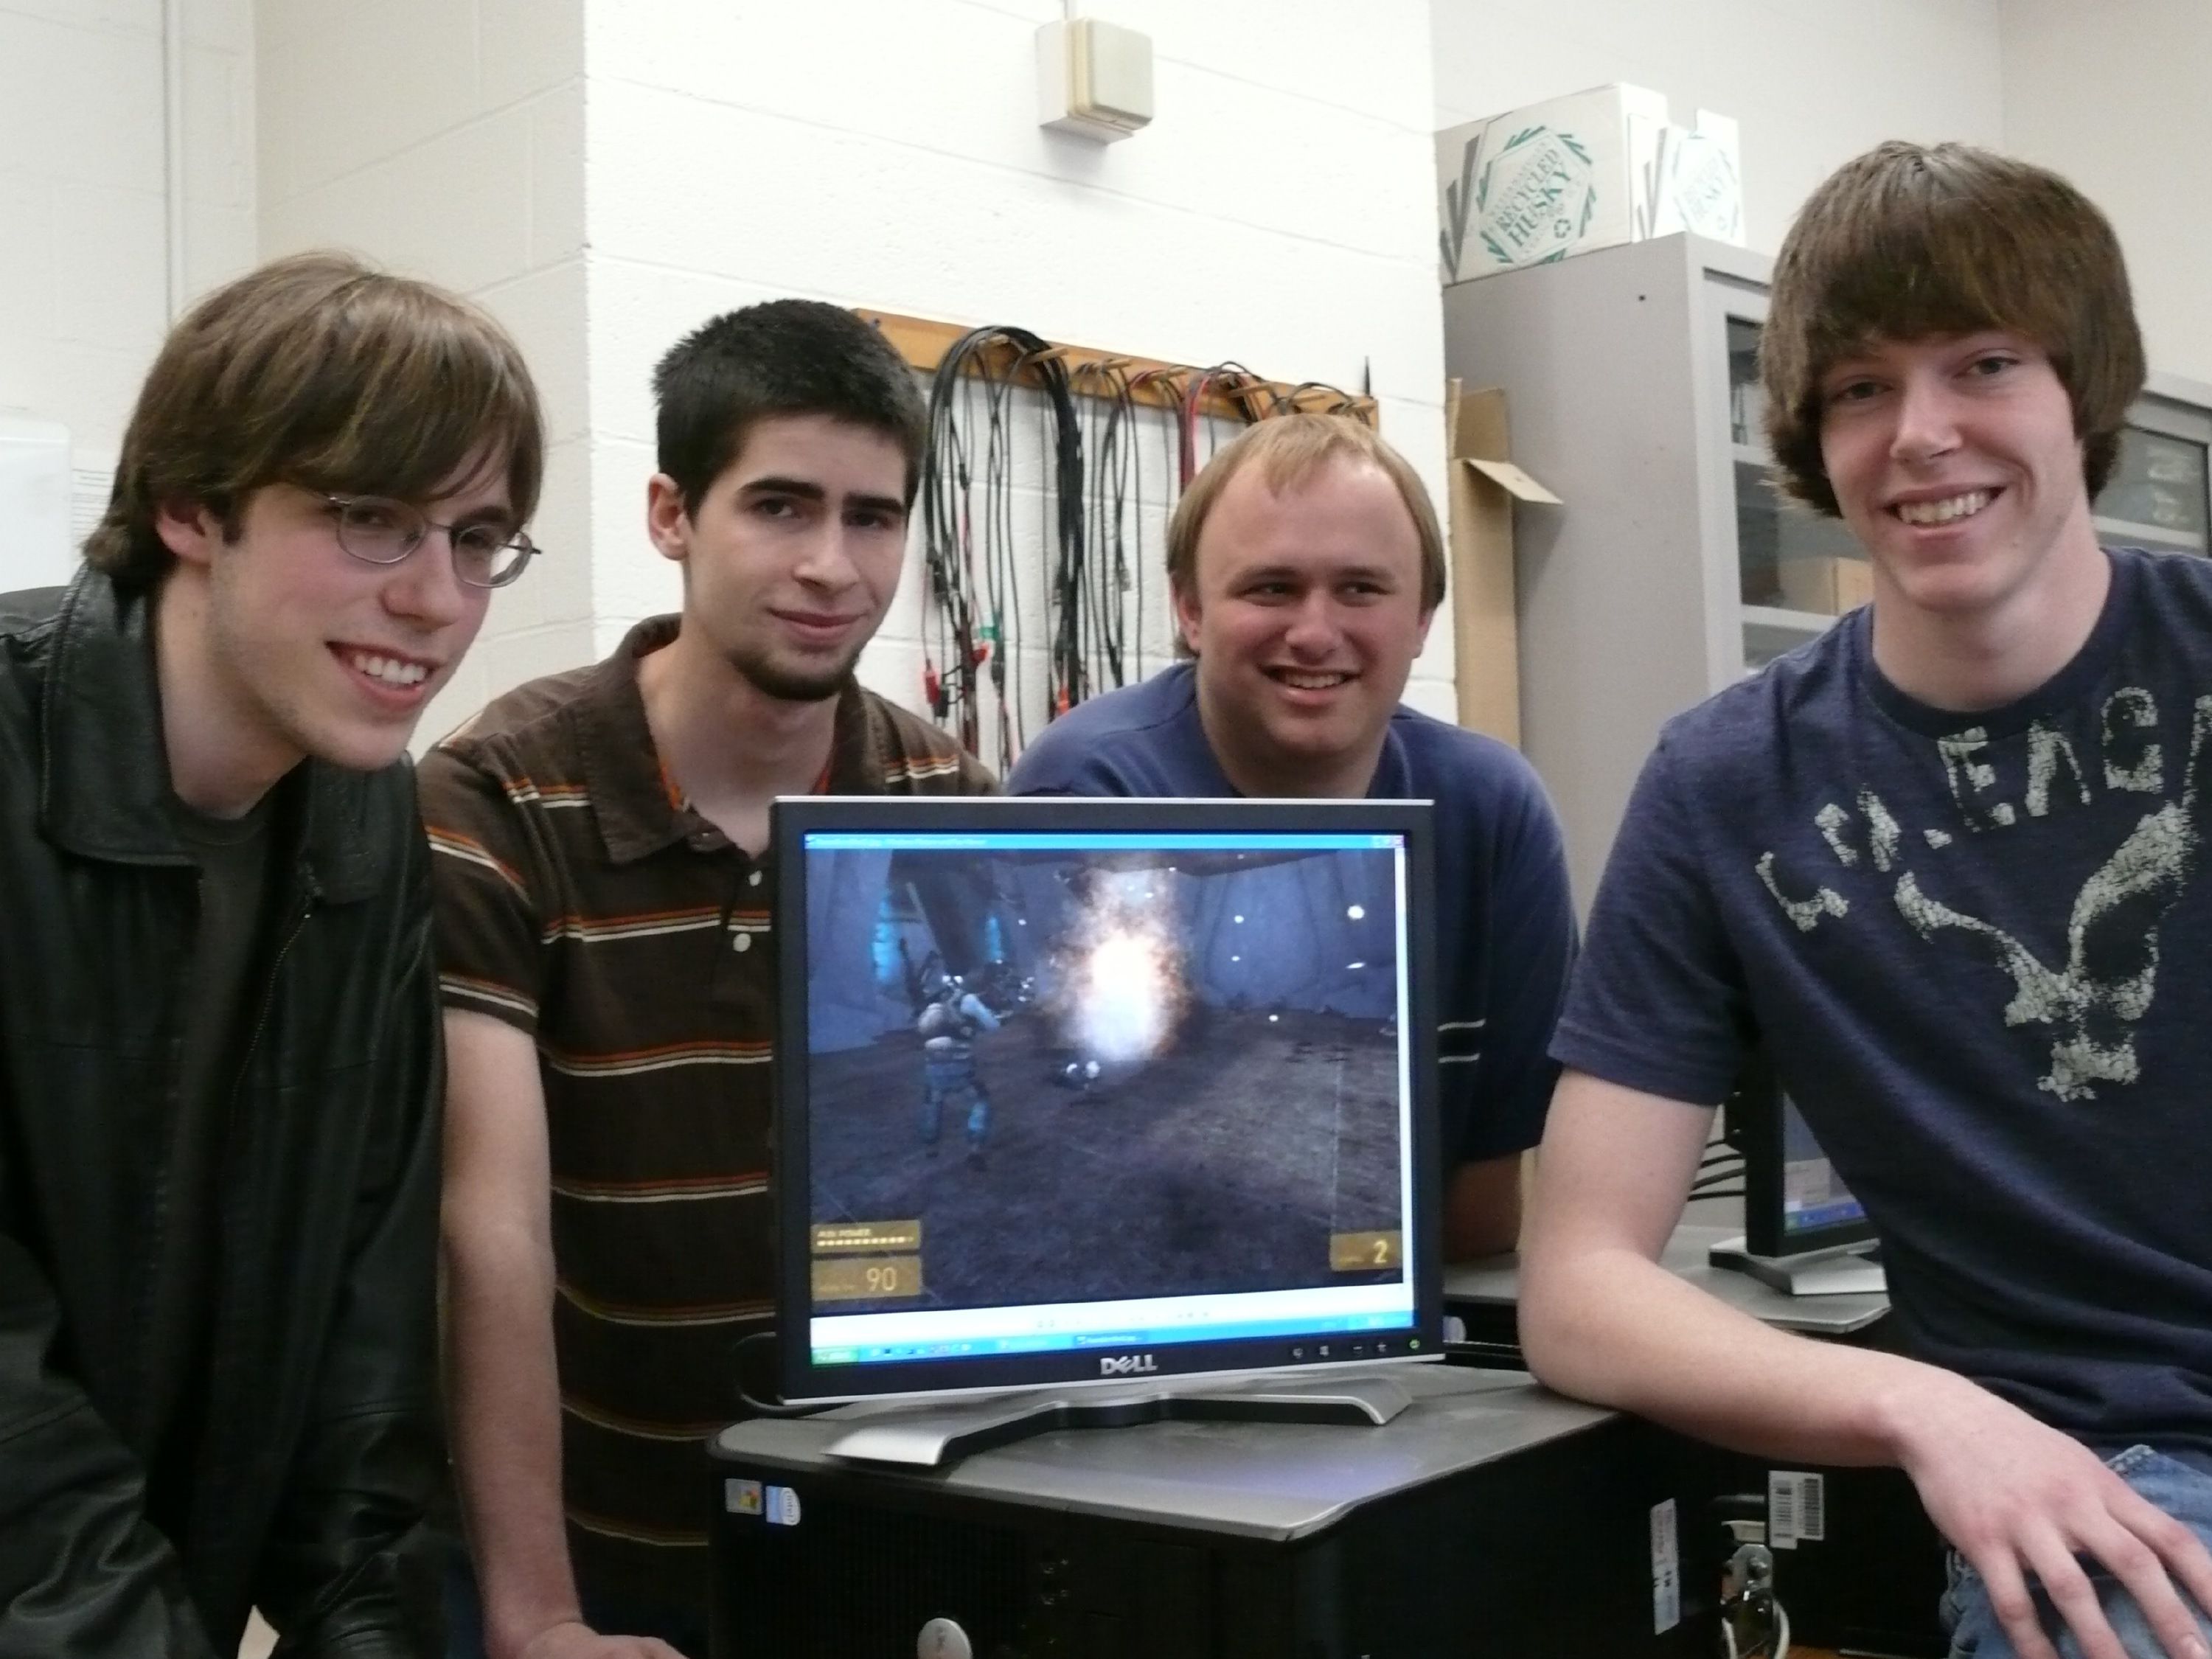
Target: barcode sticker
[
  {"x": 1796, "y": 1509},
  {"x": 1666, "y": 1570}
]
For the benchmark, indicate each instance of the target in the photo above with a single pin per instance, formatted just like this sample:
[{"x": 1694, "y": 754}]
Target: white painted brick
[
  {"x": 217, "y": 25},
  {"x": 279, "y": 23},
  {"x": 218, "y": 123},
  {"x": 94, "y": 16},
  {"x": 544, "y": 312},
  {"x": 744, "y": 57},
  {"x": 557, "y": 176},
  {"x": 460, "y": 204},
  {"x": 965, "y": 242},
  {"x": 558, "y": 586},
  {"x": 87, "y": 388},
  {"x": 363, "y": 84},
  {"x": 1279, "y": 213},
  {"x": 1433, "y": 697},
  {"x": 1350, "y": 57},
  {"x": 26, "y": 273},
  {"x": 509, "y": 659},
  {"x": 1251, "y": 156},
  {"x": 1200, "y": 154},
  {"x": 529, "y": 47},
  {"x": 111, "y": 281},
  {"x": 630, "y": 577},
  {"x": 357, "y": 213},
  {"x": 902, "y": 618},
  {"x": 892, "y": 668},
  {"x": 638, "y": 312},
  {"x": 85, "y": 103},
  {"x": 220, "y": 243},
  {"x": 454, "y": 211}
]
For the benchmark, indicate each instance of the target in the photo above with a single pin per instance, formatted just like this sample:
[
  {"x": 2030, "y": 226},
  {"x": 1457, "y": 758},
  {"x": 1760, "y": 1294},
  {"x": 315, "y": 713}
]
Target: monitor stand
[
  {"x": 923, "y": 1436},
  {"x": 1842, "y": 1270}
]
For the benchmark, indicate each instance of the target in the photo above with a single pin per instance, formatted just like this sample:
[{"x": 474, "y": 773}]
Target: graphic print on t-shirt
[{"x": 2090, "y": 1004}]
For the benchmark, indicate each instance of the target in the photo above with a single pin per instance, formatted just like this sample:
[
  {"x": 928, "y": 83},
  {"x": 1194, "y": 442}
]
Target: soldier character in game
[{"x": 948, "y": 1026}]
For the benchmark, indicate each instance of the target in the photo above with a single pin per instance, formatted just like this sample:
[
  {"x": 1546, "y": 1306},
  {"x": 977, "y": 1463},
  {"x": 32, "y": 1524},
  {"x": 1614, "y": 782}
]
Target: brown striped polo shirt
[{"x": 580, "y": 901}]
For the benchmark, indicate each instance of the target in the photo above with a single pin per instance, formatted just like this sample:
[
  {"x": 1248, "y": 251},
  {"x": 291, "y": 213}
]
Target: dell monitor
[
  {"x": 1074, "y": 1091},
  {"x": 1804, "y": 1231}
]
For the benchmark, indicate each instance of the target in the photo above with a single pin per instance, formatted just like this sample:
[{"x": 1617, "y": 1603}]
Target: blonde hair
[{"x": 1289, "y": 449}]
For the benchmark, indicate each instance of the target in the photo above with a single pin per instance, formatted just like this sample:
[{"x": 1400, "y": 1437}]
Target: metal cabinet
[{"x": 1675, "y": 568}]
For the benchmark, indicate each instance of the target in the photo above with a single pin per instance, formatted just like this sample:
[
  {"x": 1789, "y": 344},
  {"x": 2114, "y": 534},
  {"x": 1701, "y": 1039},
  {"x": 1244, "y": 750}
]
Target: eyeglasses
[{"x": 381, "y": 531}]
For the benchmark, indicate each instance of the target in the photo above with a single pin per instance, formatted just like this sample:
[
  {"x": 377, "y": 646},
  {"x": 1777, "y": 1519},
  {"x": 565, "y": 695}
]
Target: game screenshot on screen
[{"x": 1103, "y": 1091}]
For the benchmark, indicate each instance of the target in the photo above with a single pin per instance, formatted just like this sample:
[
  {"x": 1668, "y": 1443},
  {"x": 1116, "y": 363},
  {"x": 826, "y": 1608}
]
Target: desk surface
[
  {"x": 1262, "y": 1480},
  {"x": 1497, "y": 1282}
]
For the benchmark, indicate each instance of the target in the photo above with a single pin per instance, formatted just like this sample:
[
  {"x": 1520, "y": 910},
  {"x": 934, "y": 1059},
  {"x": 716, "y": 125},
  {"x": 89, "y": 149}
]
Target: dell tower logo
[{"x": 1135, "y": 1364}]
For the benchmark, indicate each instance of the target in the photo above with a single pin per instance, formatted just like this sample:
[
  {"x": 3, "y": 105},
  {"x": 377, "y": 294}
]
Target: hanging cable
[{"x": 978, "y": 622}]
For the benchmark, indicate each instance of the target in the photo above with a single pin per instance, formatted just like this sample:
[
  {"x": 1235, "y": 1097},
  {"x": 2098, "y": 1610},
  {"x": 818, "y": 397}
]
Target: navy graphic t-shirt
[{"x": 1979, "y": 947}]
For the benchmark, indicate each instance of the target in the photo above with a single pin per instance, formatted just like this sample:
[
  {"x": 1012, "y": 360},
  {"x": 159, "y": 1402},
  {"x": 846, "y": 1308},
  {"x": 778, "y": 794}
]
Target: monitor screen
[
  {"x": 1084, "y": 1090},
  {"x": 1814, "y": 1201},
  {"x": 1795, "y": 1202}
]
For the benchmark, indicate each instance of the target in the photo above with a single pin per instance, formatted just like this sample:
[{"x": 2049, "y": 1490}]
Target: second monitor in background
[{"x": 1803, "y": 1231}]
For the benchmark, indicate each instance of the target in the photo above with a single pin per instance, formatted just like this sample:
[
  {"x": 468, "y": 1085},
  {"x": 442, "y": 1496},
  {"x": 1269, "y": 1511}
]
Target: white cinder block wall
[
  {"x": 1812, "y": 84},
  {"x": 84, "y": 268},
  {"x": 885, "y": 152},
  {"x": 444, "y": 138},
  {"x": 606, "y": 174}
]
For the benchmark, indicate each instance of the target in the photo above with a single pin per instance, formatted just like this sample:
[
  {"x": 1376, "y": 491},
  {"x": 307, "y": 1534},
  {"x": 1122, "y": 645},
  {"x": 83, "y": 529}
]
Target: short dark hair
[
  {"x": 783, "y": 357},
  {"x": 321, "y": 371},
  {"x": 1911, "y": 240}
]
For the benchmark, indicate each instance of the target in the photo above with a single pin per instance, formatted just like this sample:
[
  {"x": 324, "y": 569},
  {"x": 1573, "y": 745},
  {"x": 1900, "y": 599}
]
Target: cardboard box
[
  {"x": 1828, "y": 587},
  {"x": 1485, "y": 635},
  {"x": 1590, "y": 170}
]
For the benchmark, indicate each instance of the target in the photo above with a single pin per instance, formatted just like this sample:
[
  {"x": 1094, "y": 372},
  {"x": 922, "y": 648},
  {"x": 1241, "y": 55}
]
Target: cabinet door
[
  {"x": 1795, "y": 570},
  {"x": 2159, "y": 495}
]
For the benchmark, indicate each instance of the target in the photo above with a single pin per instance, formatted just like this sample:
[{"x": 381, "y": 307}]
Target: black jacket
[{"x": 313, "y": 1408}]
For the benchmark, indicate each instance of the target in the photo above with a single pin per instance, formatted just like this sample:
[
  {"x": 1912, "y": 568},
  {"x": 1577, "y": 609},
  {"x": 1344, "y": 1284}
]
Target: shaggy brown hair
[
  {"x": 318, "y": 371},
  {"x": 1909, "y": 241}
]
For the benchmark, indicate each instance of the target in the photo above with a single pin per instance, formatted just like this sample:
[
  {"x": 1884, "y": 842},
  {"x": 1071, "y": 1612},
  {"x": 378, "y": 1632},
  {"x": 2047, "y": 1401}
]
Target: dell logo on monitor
[{"x": 1135, "y": 1364}]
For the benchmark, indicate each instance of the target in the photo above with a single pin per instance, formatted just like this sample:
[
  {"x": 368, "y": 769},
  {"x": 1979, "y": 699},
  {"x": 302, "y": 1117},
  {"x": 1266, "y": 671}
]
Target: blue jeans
[
  {"x": 679, "y": 1627},
  {"x": 2183, "y": 1490}
]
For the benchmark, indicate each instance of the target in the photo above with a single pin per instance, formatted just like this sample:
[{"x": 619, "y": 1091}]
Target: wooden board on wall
[{"x": 1231, "y": 392}]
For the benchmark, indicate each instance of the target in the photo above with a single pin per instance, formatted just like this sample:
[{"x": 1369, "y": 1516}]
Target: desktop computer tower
[{"x": 1489, "y": 1518}]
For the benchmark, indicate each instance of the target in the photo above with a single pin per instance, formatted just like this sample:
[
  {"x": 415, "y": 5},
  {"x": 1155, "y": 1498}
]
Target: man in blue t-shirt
[
  {"x": 1306, "y": 563},
  {"x": 1946, "y": 863}
]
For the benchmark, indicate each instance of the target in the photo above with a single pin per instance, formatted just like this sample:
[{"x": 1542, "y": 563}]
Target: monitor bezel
[
  {"x": 1759, "y": 1104},
  {"x": 792, "y": 818}
]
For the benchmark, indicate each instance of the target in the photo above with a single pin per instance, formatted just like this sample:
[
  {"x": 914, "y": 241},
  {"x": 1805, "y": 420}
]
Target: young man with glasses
[
  {"x": 219, "y": 1130},
  {"x": 610, "y": 978}
]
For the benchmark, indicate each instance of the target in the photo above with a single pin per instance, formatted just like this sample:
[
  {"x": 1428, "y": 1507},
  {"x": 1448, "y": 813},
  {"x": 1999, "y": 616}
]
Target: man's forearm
[
  {"x": 505, "y": 1424},
  {"x": 1612, "y": 1327}
]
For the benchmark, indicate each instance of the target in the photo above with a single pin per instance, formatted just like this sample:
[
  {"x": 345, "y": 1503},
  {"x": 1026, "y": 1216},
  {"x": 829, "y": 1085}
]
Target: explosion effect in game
[{"x": 1119, "y": 973}]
